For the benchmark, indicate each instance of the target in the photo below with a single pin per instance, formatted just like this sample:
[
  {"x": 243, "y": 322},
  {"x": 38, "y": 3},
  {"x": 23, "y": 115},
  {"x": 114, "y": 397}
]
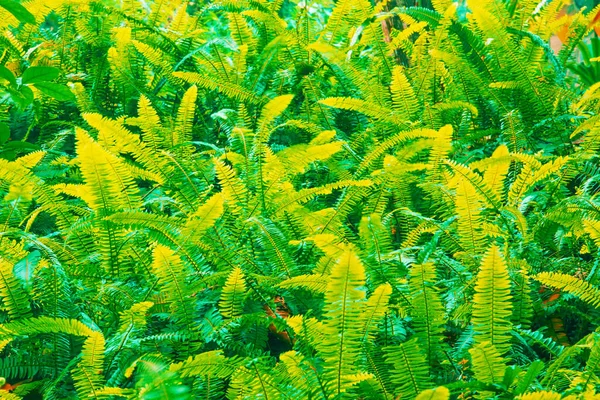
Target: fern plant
[{"x": 297, "y": 200}]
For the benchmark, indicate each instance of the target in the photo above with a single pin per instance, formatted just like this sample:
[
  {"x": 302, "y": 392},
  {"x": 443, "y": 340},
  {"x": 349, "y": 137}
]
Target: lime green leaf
[
  {"x": 59, "y": 92},
  {"x": 439, "y": 393},
  {"x": 39, "y": 74}
]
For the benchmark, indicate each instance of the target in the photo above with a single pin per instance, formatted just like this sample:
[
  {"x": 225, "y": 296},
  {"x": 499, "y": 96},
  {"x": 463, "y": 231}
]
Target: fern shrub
[{"x": 251, "y": 199}]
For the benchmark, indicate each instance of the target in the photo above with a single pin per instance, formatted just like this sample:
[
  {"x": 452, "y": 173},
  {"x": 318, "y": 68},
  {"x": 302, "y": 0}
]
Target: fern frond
[
  {"x": 488, "y": 364},
  {"x": 273, "y": 240},
  {"x": 233, "y": 294},
  {"x": 530, "y": 176},
  {"x": 427, "y": 311},
  {"x": 88, "y": 372},
  {"x": 202, "y": 219},
  {"x": 577, "y": 287},
  {"x": 227, "y": 88},
  {"x": 345, "y": 15},
  {"x": 172, "y": 277},
  {"x": 372, "y": 110},
  {"x": 233, "y": 189},
  {"x": 314, "y": 283},
  {"x": 468, "y": 206},
  {"x": 389, "y": 143},
  {"x": 182, "y": 130},
  {"x": 375, "y": 309},
  {"x": 492, "y": 302},
  {"x": 211, "y": 363},
  {"x": 296, "y": 159},
  {"x": 341, "y": 344},
  {"x": 97, "y": 166},
  {"x": 14, "y": 297},
  {"x": 404, "y": 100},
  {"x": 410, "y": 374},
  {"x": 150, "y": 124},
  {"x": 592, "y": 228},
  {"x": 496, "y": 170},
  {"x": 542, "y": 395}
]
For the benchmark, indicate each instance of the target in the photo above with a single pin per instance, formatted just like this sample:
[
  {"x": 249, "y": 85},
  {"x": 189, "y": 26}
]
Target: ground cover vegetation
[{"x": 323, "y": 199}]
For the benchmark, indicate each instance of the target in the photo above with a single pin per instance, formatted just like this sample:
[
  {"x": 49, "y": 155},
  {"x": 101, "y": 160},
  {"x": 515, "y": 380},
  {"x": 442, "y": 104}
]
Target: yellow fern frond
[
  {"x": 233, "y": 189},
  {"x": 592, "y": 228},
  {"x": 488, "y": 364},
  {"x": 98, "y": 166},
  {"x": 341, "y": 345},
  {"x": 233, "y": 294},
  {"x": 468, "y": 206},
  {"x": 172, "y": 275},
  {"x": 182, "y": 130},
  {"x": 530, "y": 176},
  {"x": 543, "y": 395}
]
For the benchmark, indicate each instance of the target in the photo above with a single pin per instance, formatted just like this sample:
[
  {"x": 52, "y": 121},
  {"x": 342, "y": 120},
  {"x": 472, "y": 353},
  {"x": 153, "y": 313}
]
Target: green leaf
[
  {"x": 59, "y": 92},
  {"x": 39, "y": 74},
  {"x": 18, "y": 11},
  {"x": 21, "y": 146},
  {"x": 7, "y": 74}
]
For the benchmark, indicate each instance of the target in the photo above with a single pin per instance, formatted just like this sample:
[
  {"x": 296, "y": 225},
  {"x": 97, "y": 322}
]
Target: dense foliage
[{"x": 322, "y": 199}]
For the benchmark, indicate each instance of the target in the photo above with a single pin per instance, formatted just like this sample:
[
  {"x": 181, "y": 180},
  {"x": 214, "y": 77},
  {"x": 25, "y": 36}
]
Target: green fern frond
[
  {"x": 476, "y": 181},
  {"x": 202, "y": 219},
  {"x": 150, "y": 124},
  {"x": 346, "y": 14},
  {"x": 233, "y": 189},
  {"x": 592, "y": 366},
  {"x": 427, "y": 311},
  {"x": 14, "y": 298},
  {"x": 410, "y": 375},
  {"x": 209, "y": 364},
  {"x": 297, "y": 159},
  {"x": 374, "y": 310},
  {"x": 273, "y": 240},
  {"x": 522, "y": 302},
  {"x": 227, "y": 88},
  {"x": 492, "y": 302},
  {"x": 404, "y": 100},
  {"x": 312, "y": 282},
  {"x": 372, "y": 110},
  {"x": 305, "y": 195},
  {"x": 530, "y": 176},
  {"x": 468, "y": 206},
  {"x": 577, "y": 287},
  {"x": 88, "y": 372},
  {"x": 488, "y": 364}
]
